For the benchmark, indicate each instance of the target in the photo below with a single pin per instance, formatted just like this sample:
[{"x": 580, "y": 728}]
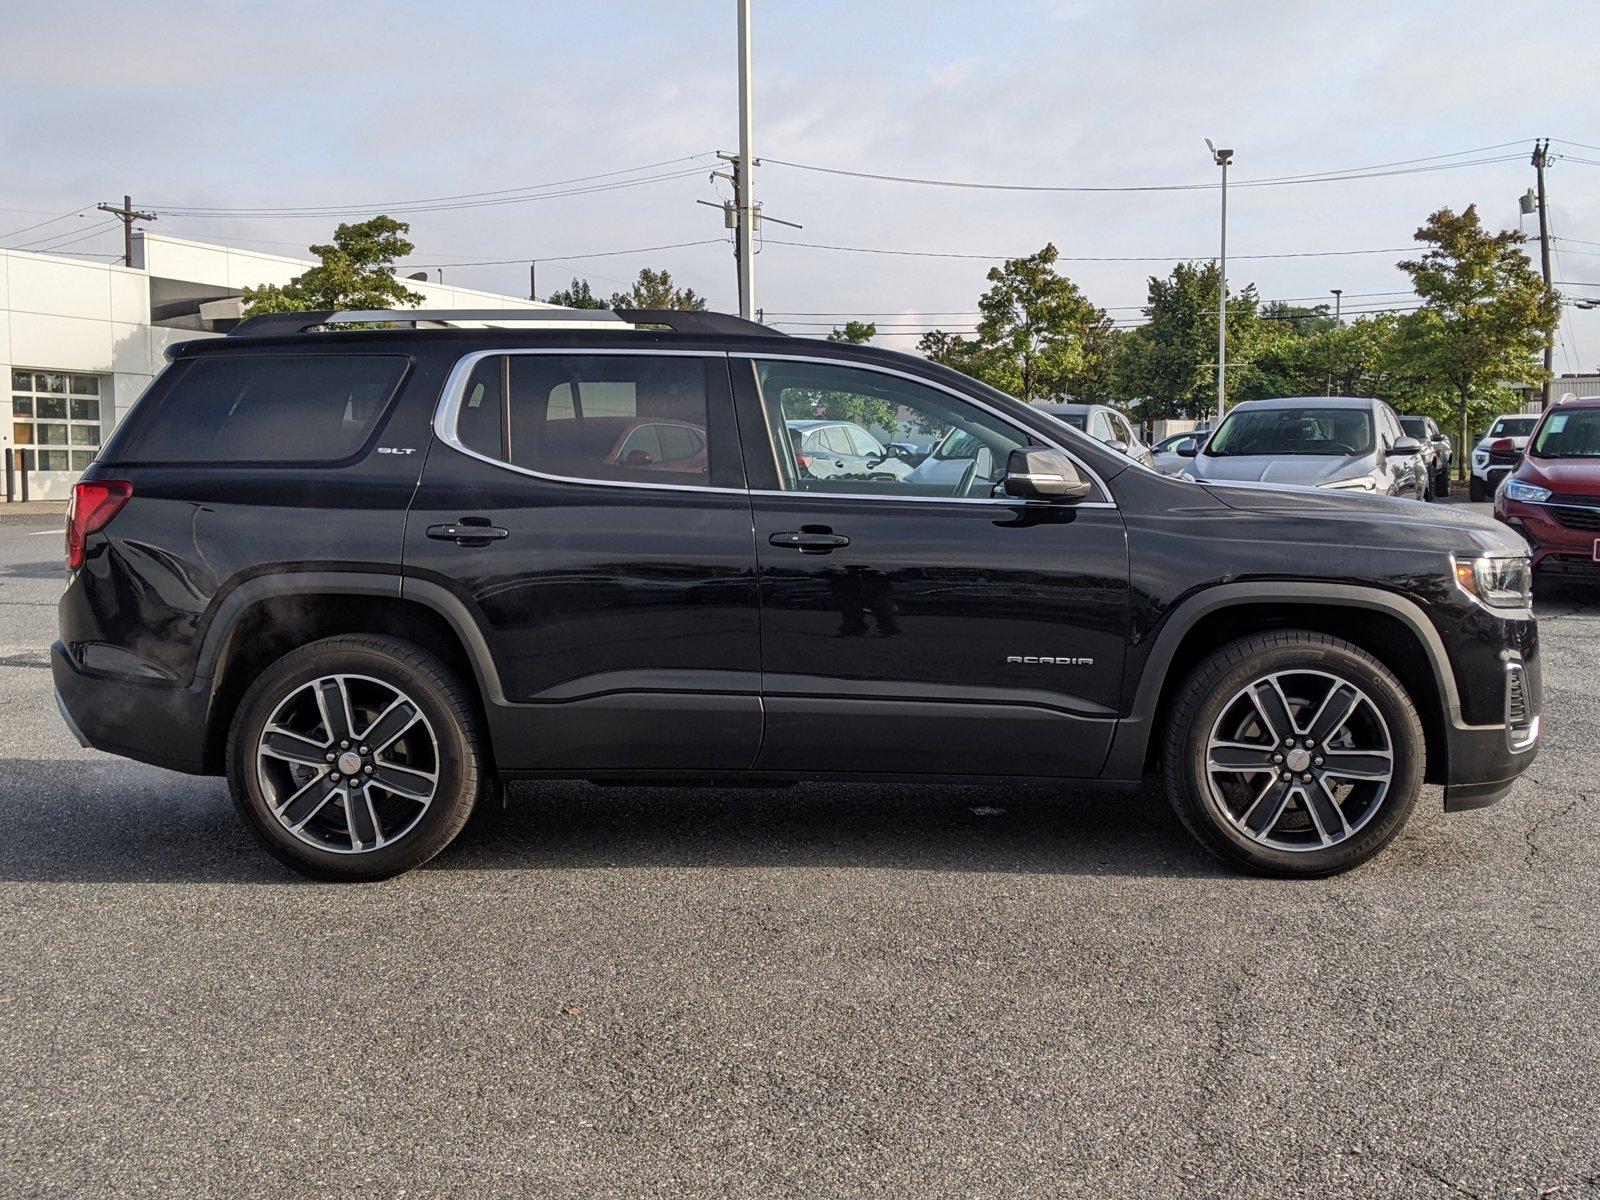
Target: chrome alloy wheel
[
  {"x": 348, "y": 763},
  {"x": 1299, "y": 760}
]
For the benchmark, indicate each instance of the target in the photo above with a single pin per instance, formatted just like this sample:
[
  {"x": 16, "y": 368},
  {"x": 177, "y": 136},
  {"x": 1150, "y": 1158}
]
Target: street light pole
[
  {"x": 1338, "y": 323},
  {"x": 1222, "y": 159},
  {"x": 746, "y": 174}
]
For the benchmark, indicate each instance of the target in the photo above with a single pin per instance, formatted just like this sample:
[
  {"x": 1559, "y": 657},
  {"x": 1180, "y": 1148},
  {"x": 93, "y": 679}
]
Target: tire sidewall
[
  {"x": 1209, "y": 691},
  {"x": 456, "y": 754}
]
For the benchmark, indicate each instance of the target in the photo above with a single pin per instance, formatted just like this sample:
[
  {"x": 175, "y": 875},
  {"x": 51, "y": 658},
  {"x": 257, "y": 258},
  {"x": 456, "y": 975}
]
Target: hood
[
  {"x": 1309, "y": 469},
  {"x": 1569, "y": 476},
  {"x": 1377, "y": 521},
  {"x": 1521, "y": 443}
]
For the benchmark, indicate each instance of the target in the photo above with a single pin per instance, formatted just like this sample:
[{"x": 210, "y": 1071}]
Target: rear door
[{"x": 616, "y": 590}]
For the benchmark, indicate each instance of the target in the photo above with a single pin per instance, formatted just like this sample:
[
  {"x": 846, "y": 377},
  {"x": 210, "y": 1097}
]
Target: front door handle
[
  {"x": 466, "y": 534},
  {"x": 809, "y": 541}
]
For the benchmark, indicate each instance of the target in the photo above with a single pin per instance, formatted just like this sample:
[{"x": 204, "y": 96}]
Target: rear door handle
[
  {"x": 808, "y": 541},
  {"x": 467, "y": 535}
]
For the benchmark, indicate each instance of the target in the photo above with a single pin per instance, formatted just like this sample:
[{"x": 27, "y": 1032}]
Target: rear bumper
[{"x": 150, "y": 722}]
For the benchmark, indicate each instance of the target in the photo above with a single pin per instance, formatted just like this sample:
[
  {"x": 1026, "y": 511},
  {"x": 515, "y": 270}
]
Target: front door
[
  {"x": 921, "y": 624},
  {"x": 590, "y": 512}
]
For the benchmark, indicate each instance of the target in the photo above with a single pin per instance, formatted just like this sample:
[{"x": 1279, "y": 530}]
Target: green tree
[
  {"x": 855, "y": 331},
  {"x": 356, "y": 272},
  {"x": 1485, "y": 312},
  {"x": 1038, "y": 336},
  {"x": 576, "y": 295},
  {"x": 655, "y": 289},
  {"x": 1170, "y": 362}
]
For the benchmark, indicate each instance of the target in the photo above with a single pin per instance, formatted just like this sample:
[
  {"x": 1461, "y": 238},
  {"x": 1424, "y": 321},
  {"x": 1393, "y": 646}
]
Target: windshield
[
  {"x": 1076, "y": 420},
  {"x": 1569, "y": 435},
  {"x": 1512, "y": 426},
  {"x": 1325, "y": 431},
  {"x": 1416, "y": 427}
]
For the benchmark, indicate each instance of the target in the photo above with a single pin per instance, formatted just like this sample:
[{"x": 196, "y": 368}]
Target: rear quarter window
[{"x": 304, "y": 408}]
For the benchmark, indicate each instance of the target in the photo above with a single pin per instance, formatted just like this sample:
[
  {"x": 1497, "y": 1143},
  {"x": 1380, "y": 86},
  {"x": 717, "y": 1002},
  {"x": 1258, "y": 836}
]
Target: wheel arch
[
  {"x": 1391, "y": 628},
  {"x": 266, "y": 617}
]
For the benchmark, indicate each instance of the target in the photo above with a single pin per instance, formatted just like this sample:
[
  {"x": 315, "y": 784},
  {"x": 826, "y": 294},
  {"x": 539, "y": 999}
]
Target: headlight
[
  {"x": 1526, "y": 492},
  {"x": 1496, "y": 582},
  {"x": 1364, "y": 484}
]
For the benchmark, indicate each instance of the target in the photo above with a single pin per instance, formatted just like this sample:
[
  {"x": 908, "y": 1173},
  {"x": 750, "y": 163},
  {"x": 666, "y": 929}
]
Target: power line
[
  {"x": 39, "y": 242},
  {"x": 1083, "y": 258},
  {"x": 1377, "y": 170},
  {"x": 42, "y": 224},
  {"x": 189, "y": 210},
  {"x": 421, "y": 205},
  {"x": 542, "y": 257}
]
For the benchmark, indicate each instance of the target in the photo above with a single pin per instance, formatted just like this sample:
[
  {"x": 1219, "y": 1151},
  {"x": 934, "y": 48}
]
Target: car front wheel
[
  {"x": 355, "y": 757},
  {"x": 1293, "y": 753}
]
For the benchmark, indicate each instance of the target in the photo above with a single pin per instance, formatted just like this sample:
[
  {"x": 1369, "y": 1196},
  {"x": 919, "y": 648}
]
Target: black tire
[
  {"x": 448, "y": 733},
  {"x": 1427, "y": 487},
  {"x": 1441, "y": 482},
  {"x": 1475, "y": 489},
  {"x": 1217, "y": 682}
]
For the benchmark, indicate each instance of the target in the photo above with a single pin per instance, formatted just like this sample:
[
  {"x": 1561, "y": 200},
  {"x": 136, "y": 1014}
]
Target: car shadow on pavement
[{"x": 114, "y": 822}]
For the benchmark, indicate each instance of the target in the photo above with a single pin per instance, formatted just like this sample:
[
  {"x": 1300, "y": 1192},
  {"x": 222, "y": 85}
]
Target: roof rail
[
  {"x": 683, "y": 320},
  {"x": 301, "y": 322}
]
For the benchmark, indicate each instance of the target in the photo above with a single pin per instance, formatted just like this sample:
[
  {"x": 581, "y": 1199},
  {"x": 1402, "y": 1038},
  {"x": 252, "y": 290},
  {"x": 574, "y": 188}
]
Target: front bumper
[
  {"x": 151, "y": 722},
  {"x": 1553, "y": 544}
]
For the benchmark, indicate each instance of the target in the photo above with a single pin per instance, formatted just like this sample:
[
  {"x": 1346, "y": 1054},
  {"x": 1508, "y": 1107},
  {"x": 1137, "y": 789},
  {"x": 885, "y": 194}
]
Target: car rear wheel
[
  {"x": 355, "y": 758},
  {"x": 1293, "y": 753},
  {"x": 1441, "y": 481},
  {"x": 1475, "y": 489}
]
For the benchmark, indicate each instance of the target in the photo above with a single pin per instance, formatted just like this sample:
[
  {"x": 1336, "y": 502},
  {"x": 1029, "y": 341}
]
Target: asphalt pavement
[{"x": 817, "y": 991}]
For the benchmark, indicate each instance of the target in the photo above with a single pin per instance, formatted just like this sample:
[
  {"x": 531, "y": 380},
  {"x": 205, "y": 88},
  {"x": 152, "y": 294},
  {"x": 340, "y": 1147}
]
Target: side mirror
[
  {"x": 1120, "y": 446},
  {"x": 1406, "y": 446},
  {"x": 1188, "y": 448},
  {"x": 1042, "y": 474}
]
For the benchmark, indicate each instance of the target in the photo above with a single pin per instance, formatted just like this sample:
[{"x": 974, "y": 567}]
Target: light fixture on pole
[{"x": 1222, "y": 158}]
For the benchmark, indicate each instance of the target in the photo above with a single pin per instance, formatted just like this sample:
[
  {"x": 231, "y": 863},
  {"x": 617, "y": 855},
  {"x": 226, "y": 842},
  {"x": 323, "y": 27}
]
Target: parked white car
[
  {"x": 1490, "y": 465},
  {"x": 1164, "y": 455}
]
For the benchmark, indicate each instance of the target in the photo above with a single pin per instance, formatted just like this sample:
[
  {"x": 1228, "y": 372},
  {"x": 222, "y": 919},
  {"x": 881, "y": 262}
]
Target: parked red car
[{"x": 1553, "y": 497}]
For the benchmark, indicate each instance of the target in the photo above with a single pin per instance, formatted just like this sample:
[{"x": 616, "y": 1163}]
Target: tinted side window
[
  {"x": 607, "y": 417},
  {"x": 261, "y": 408},
  {"x": 971, "y": 446}
]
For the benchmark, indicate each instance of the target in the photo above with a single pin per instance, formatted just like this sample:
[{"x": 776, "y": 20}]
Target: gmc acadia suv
[{"x": 368, "y": 574}]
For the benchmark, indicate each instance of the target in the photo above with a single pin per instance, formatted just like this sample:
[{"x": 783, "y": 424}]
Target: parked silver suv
[{"x": 1352, "y": 444}]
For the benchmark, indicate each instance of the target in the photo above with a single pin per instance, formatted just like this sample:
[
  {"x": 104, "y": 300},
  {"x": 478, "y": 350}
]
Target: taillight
[
  {"x": 803, "y": 461},
  {"x": 91, "y": 509}
]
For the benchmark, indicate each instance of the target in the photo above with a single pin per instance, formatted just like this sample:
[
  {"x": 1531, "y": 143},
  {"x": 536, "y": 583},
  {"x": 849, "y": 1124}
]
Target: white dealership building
[{"x": 79, "y": 339}]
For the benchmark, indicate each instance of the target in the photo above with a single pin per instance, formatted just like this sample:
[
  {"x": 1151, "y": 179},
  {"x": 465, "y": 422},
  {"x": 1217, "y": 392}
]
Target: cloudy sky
[{"x": 218, "y": 106}]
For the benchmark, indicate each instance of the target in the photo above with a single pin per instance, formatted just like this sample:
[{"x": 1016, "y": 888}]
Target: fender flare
[
  {"x": 1127, "y": 756},
  {"x": 220, "y": 622}
]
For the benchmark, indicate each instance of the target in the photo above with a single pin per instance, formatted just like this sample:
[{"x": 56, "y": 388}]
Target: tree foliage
[
  {"x": 655, "y": 289},
  {"x": 1485, "y": 311},
  {"x": 356, "y": 272},
  {"x": 854, "y": 331},
  {"x": 1038, "y": 337},
  {"x": 576, "y": 295},
  {"x": 1168, "y": 366}
]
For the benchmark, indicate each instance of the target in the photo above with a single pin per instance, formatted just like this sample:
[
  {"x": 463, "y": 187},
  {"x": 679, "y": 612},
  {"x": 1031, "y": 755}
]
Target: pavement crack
[{"x": 1531, "y": 833}]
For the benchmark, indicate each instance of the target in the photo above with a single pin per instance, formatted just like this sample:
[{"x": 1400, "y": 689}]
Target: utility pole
[
  {"x": 1222, "y": 159},
  {"x": 1541, "y": 152},
  {"x": 744, "y": 173},
  {"x": 1338, "y": 323},
  {"x": 533, "y": 280},
  {"x": 127, "y": 215}
]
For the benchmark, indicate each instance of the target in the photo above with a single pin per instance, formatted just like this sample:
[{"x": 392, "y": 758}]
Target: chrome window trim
[{"x": 447, "y": 413}]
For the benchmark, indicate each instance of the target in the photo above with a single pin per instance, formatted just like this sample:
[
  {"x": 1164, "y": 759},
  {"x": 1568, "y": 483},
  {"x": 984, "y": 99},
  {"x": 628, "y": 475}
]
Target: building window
[{"x": 55, "y": 419}]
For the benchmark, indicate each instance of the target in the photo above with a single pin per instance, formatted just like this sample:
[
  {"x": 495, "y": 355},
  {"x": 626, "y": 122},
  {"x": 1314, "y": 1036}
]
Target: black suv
[{"x": 370, "y": 573}]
